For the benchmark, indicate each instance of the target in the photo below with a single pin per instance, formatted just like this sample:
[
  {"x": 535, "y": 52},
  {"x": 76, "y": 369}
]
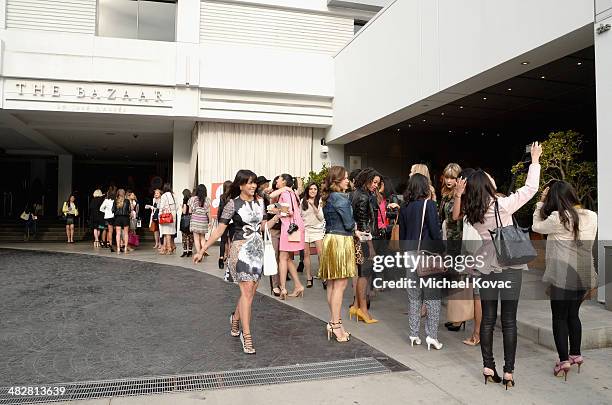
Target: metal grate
[{"x": 208, "y": 381}]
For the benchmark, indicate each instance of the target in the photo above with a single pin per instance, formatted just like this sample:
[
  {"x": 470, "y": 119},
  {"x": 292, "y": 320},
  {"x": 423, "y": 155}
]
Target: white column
[
  {"x": 603, "y": 72},
  {"x": 187, "y": 21},
  {"x": 181, "y": 162},
  {"x": 64, "y": 179}
]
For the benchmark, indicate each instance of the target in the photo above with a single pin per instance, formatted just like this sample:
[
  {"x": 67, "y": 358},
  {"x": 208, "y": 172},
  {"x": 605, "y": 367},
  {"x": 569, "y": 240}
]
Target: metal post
[{"x": 608, "y": 277}]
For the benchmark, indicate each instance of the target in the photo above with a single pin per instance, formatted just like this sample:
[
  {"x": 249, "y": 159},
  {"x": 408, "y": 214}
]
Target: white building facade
[{"x": 219, "y": 85}]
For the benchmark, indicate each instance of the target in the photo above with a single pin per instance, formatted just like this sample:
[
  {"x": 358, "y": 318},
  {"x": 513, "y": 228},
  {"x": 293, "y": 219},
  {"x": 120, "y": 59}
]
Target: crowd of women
[
  {"x": 352, "y": 217},
  {"x": 342, "y": 220}
]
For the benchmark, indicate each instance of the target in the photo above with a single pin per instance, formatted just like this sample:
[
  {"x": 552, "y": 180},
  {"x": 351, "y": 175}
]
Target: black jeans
[
  {"x": 509, "y": 304},
  {"x": 566, "y": 324}
]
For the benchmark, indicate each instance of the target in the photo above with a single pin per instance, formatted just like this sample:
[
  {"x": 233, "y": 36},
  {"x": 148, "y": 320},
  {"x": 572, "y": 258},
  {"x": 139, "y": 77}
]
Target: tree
[
  {"x": 560, "y": 160},
  {"x": 317, "y": 177}
]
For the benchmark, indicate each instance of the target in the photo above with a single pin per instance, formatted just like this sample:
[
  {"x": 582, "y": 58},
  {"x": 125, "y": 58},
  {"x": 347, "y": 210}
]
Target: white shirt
[{"x": 107, "y": 208}]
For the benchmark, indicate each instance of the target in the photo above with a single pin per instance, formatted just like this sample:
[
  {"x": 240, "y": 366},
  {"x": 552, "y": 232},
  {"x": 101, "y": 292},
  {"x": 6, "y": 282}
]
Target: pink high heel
[
  {"x": 562, "y": 367},
  {"x": 578, "y": 359}
]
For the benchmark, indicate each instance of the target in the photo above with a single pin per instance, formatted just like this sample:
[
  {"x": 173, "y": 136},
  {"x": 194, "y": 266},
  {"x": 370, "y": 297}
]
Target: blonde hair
[
  {"x": 335, "y": 175},
  {"x": 420, "y": 169},
  {"x": 120, "y": 198},
  {"x": 451, "y": 171}
]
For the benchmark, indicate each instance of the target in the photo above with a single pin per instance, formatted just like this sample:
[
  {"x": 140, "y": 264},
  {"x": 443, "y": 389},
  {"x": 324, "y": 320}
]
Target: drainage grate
[{"x": 208, "y": 381}]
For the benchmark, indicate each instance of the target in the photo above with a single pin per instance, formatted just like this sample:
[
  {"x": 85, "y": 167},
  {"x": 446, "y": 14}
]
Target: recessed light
[
  {"x": 482, "y": 133},
  {"x": 424, "y": 120},
  {"x": 525, "y": 62},
  {"x": 441, "y": 113},
  {"x": 484, "y": 98},
  {"x": 398, "y": 130},
  {"x": 579, "y": 63},
  {"x": 409, "y": 125},
  {"x": 450, "y": 130},
  {"x": 509, "y": 88},
  {"x": 542, "y": 77},
  {"x": 461, "y": 107}
]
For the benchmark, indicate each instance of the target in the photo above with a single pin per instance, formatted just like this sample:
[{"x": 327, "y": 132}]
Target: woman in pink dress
[{"x": 291, "y": 237}]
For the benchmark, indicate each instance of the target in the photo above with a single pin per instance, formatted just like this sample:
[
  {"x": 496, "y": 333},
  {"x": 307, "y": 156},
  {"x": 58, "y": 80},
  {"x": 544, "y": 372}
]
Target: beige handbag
[{"x": 460, "y": 305}]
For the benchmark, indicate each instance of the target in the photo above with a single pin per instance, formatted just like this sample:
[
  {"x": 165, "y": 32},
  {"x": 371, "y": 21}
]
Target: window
[
  {"x": 358, "y": 25},
  {"x": 138, "y": 19}
]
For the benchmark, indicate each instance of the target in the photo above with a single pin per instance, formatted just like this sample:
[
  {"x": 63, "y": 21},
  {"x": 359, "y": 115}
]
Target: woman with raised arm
[{"x": 478, "y": 203}]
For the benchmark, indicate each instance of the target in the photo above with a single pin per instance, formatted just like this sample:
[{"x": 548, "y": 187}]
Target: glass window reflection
[{"x": 137, "y": 19}]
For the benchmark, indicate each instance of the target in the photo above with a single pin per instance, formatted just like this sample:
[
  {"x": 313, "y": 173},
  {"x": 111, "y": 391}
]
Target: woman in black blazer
[{"x": 413, "y": 225}]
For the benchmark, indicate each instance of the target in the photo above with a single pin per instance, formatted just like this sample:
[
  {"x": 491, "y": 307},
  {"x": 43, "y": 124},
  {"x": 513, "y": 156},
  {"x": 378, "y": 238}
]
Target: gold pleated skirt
[{"x": 337, "y": 258}]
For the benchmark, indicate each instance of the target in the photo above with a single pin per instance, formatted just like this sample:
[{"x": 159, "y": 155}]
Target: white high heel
[
  {"x": 414, "y": 340},
  {"x": 433, "y": 342}
]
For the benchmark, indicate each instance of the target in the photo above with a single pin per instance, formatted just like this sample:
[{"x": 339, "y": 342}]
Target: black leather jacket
[{"x": 363, "y": 211}]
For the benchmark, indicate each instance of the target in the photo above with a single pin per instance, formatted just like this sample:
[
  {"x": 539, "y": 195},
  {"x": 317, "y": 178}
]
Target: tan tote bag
[{"x": 460, "y": 305}]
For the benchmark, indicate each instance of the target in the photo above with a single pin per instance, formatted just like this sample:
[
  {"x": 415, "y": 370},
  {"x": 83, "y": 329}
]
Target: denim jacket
[{"x": 338, "y": 215}]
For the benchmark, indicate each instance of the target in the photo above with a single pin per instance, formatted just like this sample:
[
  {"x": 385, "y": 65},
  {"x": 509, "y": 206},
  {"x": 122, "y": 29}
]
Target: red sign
[{"x": 216, "y": 192}]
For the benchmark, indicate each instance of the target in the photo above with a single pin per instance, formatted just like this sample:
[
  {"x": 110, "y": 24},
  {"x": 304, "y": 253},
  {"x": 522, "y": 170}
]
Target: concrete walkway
[{"x": 451, "y": 375}]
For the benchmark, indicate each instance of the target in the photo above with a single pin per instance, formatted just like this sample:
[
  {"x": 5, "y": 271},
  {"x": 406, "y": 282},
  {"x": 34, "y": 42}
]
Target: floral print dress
[{"x": 245, "y": 261}]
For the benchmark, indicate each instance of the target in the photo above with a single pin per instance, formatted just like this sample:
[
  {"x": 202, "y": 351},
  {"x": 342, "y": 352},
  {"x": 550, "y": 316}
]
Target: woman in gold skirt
[{"x": 338, "y": 256}]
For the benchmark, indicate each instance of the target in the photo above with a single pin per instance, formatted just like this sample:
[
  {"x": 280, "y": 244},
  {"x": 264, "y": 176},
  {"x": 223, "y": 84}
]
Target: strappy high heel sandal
[
  {"x": 562, "y": 367},
  {"x": 247, "y": 343},
  {"x": 283, "y": 294},
  {"x": 576, "y": 359},
  {"x": 330, "y": 331},
  {"x": 297, "y": 293},
  {"x": 235, "y": 326}
]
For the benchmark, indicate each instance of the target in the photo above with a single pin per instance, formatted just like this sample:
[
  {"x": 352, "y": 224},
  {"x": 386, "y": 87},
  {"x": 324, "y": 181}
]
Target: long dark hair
[
  {"x": 477, "y": 197},
  {"x": 418, "y": 188},
  {"x": 306, "y": 196},
  {"x": 242, "y": 177},
  {"x": 288, "y": 179},
  {"x": 167, "y": 188},
  {"x": 186, "y": 195},
  {"x": 389, "y": 190},
  {"x": 563, "y": 199},
  {"x": 68, "y": 199},
  {"x": 365, "y": 177},
  {"x": 227, "y": 186},
  {"x": 201, "y": 193}
]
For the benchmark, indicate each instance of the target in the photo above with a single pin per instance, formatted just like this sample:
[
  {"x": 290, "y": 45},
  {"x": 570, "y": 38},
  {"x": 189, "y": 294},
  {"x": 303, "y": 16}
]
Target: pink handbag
[{"x": 133, "y": 239}]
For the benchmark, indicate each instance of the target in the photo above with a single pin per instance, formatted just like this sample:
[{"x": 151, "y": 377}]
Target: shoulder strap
[{"x": 422, "y": 222}]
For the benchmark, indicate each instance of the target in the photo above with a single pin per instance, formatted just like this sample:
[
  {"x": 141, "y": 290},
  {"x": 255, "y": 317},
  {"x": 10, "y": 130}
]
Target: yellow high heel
[
  {"x": 360, "y": 315},
  {"x": 353, "y": 313}
]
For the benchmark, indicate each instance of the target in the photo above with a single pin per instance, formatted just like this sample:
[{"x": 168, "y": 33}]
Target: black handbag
[
  {"x": 512, "y": 244},
  {"x": 185, "y": 221}
]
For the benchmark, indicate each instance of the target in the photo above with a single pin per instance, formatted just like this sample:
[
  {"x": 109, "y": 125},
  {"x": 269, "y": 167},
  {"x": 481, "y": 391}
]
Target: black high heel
[
  {"x": 221, "y": 264},
  {"x": 495, "y": 378},
  {"x": 508, "y": 383},
  {"x": 456, "y": 328},
  {"x": 309, "y": 283}
]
